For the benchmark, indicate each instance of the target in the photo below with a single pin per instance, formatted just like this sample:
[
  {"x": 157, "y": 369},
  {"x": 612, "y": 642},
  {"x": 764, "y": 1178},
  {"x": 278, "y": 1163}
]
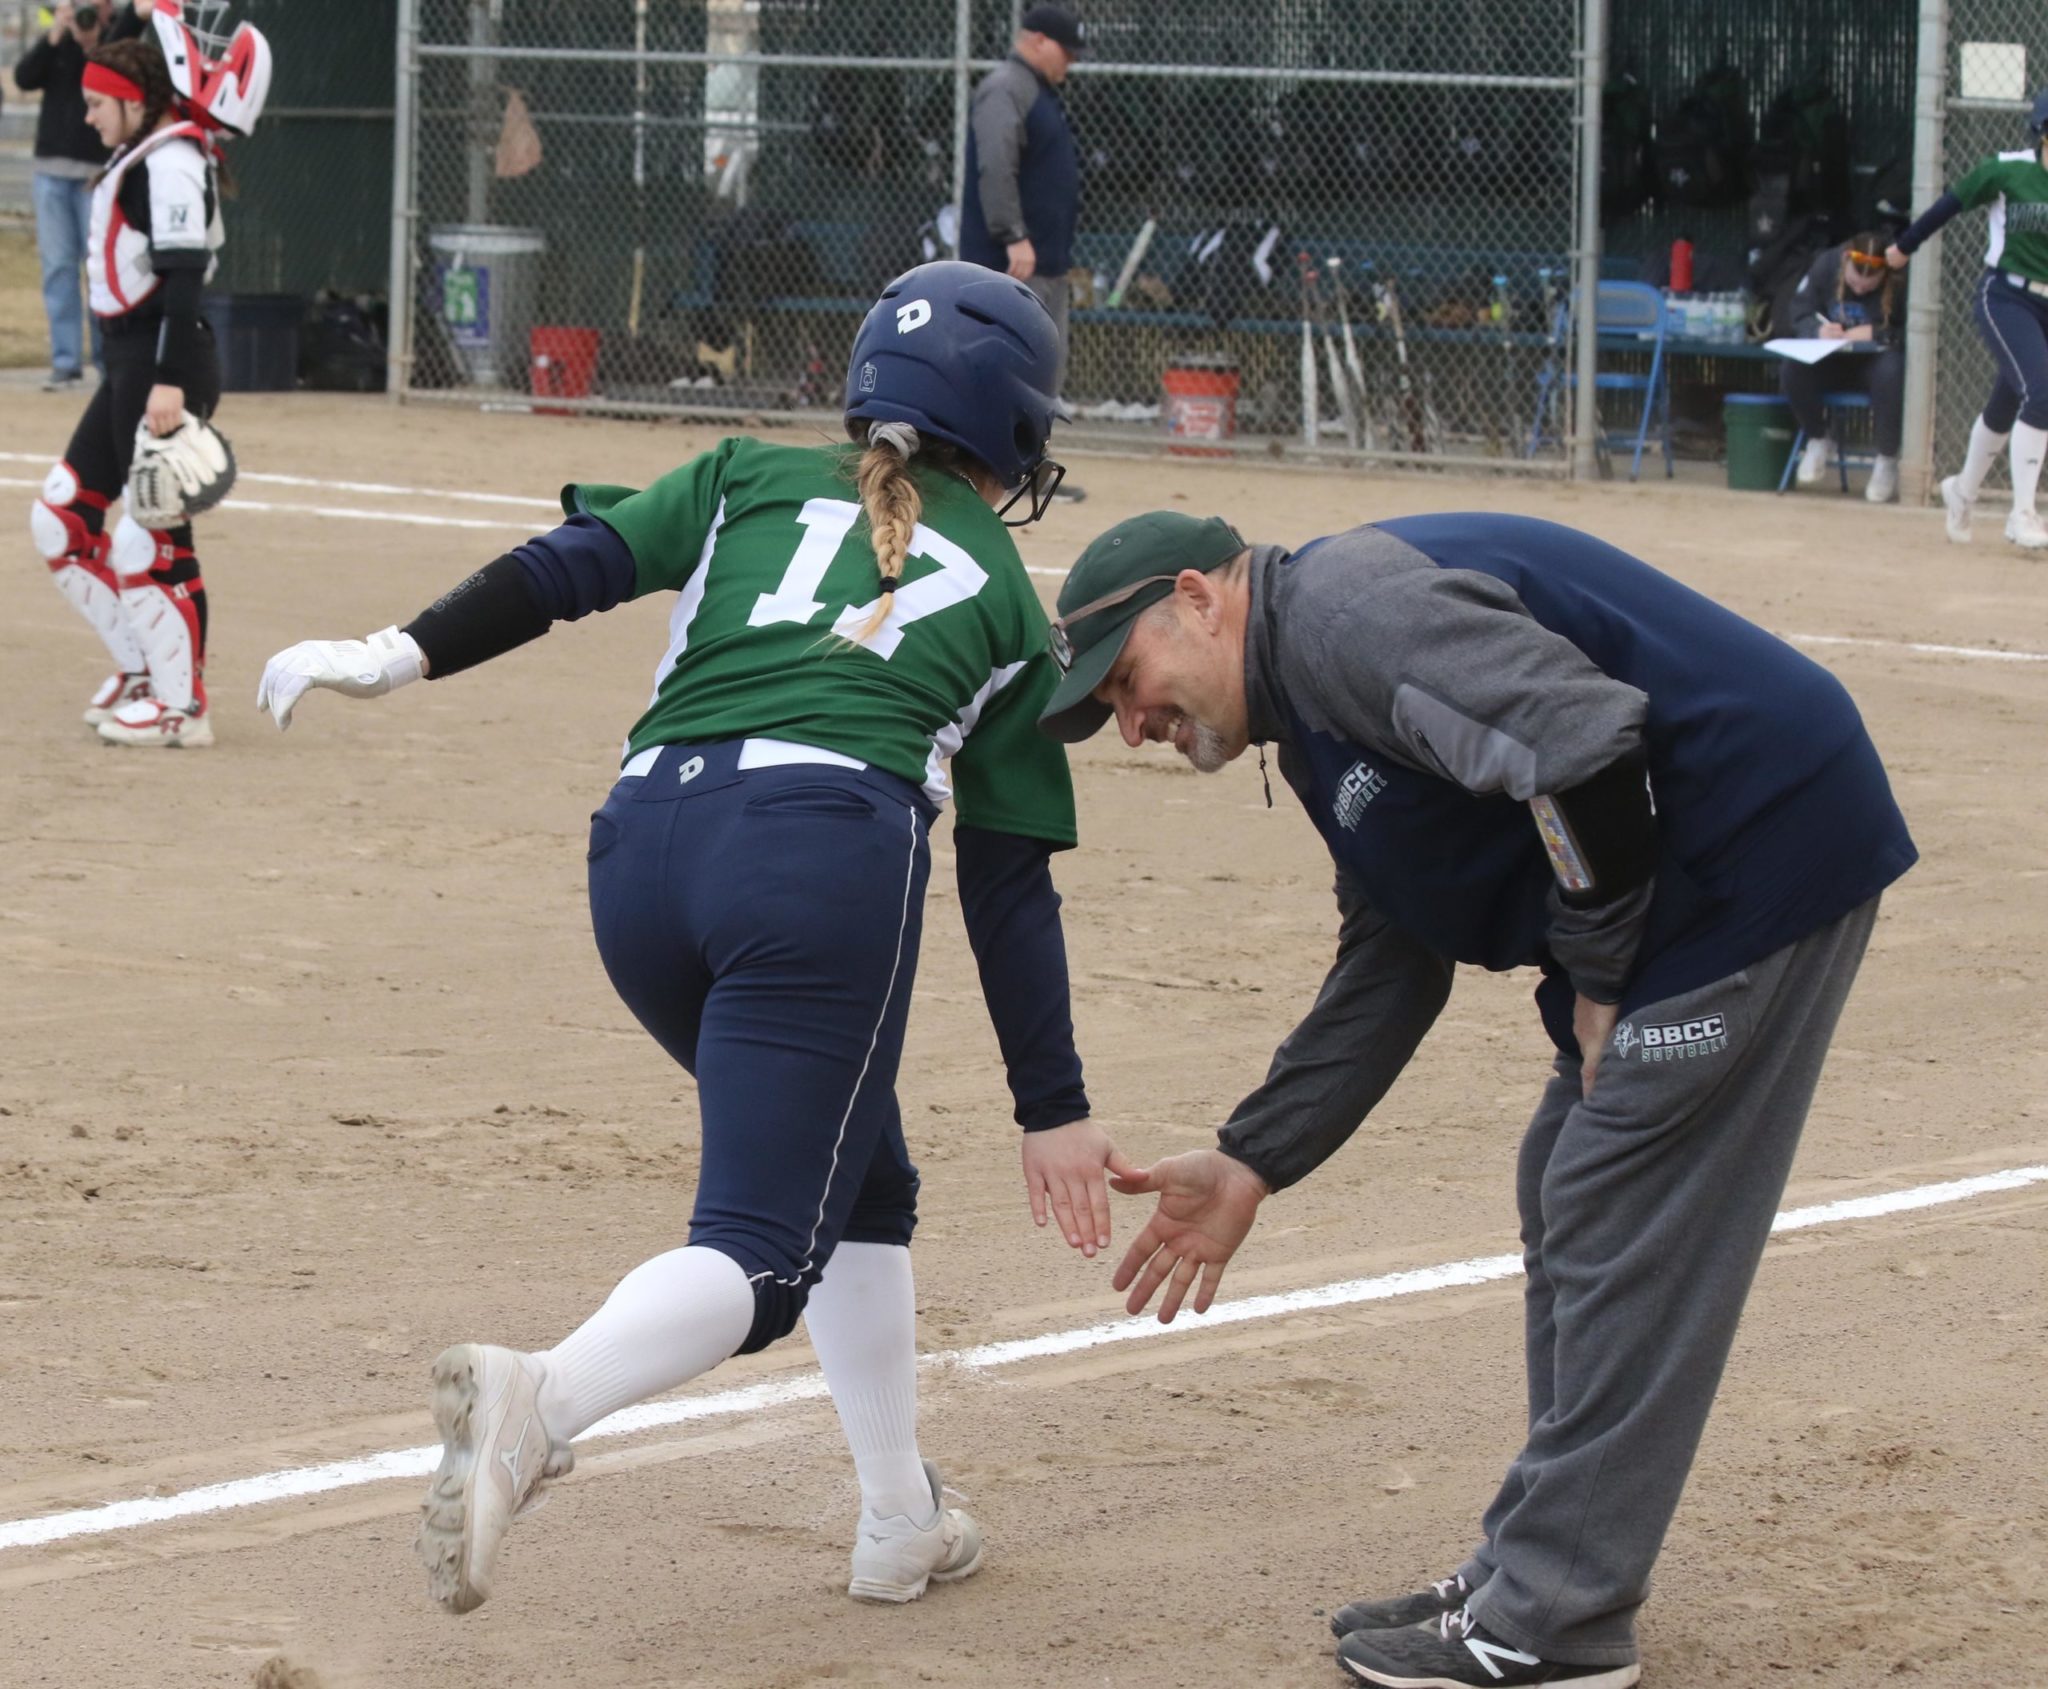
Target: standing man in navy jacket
[
  {"x": 1023, "y": 194},
  {"x": 1523, "y": 748}
]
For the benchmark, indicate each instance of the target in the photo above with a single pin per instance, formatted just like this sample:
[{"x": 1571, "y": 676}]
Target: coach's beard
[{"x": 1205, "y": 748}]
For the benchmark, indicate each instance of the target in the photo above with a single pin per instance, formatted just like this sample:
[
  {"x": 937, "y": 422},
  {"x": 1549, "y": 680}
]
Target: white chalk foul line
[
  {"x": 381, "y": 488},
  {"x": 348, "y": 513},
  {"x": 1983, "y": 652},
  {"x": 342, "y": 512},
  {"x": 810, "y": 1386}
]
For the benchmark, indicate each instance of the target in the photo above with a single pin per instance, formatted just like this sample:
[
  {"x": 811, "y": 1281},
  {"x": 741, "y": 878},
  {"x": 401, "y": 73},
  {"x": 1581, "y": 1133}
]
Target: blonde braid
[{"x": 889, "y": 495}]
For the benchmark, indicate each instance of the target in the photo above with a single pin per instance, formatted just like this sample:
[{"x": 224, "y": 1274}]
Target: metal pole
[
  {"x": 483, "y": 80},
  {"x": 961, "y": 32},
  {"x": 1923, "y": 293},
  {"x": 1586, "y": 256},
  {"x": 404, "y": 213}
]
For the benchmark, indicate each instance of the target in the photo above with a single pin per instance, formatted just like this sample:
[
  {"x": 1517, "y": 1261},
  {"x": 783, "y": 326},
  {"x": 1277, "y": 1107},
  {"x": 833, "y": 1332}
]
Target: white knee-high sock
[
  {"x": 2029, "y": 445},
  {"x": 670, "y": 1319},
  {"x": 862, "y": 1318},
  {"x": 1984, "y": 449}
]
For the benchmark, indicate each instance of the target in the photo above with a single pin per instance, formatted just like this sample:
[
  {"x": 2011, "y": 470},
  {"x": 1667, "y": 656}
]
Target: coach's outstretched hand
[
  {"x": 1207, "y": 1202},
  {"x": 358, "y": 668},
  {"x": 1063, "y": 1173}
]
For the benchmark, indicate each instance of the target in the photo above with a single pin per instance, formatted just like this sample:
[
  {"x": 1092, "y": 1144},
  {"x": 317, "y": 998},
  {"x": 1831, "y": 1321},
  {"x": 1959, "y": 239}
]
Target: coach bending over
[{"x": 1523, "y": 748}]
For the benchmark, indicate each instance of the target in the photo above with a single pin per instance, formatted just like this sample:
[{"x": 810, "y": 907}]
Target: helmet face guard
[
  {"x": 1039, "y": 486},
  {"x": 221, "y": 79}
]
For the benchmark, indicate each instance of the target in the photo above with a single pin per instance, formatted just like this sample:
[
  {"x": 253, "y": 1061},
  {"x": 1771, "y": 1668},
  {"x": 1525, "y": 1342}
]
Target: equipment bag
[
  {"x": 1804, "y": 137},
  {"x": 1703, "y": 146},
  {"x": 1628, "y": 164}
]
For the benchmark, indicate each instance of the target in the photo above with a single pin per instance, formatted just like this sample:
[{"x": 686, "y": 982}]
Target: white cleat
[
  {"x": 1956, "y": 512},
  {"x": 2024, "y": 528},
  {"x": 115, "y": 690},
  {"x": 496, "y": 1461},
  {"x": 894, "y": 1558},
  {"x": 1814, "y": 461},
  {"x": 150, "y": 721},
  {"x": 1884, "y": 481}
]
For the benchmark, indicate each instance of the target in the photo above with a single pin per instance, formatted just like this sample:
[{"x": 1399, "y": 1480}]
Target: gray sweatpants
[
  {"x": 1644, "y": 1215},
  {"x": 1052, "y": 293}
]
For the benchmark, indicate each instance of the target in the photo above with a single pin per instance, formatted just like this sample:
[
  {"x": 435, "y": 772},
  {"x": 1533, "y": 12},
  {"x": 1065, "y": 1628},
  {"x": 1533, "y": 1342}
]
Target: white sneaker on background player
[
  {"x": 1884, "y": 481},
  {"x": 496, "y": 1460},
  {"x": 894, "y": 1558},
  {"x": 148, "y": 720},
  {"x": 2025, "y": 528},
  {"x": 1956, "y": 510},
  {"x": 117, "y": 689},
  {"x": 1814, "y": 461}
]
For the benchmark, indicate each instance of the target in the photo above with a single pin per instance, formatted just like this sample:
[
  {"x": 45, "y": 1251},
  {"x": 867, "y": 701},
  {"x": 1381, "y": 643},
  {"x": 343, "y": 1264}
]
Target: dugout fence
[
  {"x": 683, "y": 206},
  {"x": 686, "y": 205}
]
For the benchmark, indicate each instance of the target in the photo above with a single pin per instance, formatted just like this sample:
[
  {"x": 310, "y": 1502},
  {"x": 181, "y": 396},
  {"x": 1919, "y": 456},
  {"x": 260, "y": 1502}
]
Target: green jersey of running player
[
  {"x": 770, "y": 558},
  {"x": 2015, "y": 186}
]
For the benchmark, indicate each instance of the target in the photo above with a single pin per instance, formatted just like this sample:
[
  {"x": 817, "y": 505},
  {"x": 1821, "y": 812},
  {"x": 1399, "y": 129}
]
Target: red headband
[{"x": 104, "y": 79}]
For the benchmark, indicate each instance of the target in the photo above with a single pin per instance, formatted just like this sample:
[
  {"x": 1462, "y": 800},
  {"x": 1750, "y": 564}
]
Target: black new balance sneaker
[
  {"x": 1453, "y": 1652},
  {"x": 1396, "y": 1612}
]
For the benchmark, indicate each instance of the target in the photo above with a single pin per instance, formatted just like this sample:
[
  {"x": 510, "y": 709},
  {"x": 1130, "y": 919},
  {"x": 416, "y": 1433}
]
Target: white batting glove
[{"x": 358, "y": 668}]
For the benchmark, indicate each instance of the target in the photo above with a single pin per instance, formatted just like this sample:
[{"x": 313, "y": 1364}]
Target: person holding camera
[{"x": 67, "y": 157}]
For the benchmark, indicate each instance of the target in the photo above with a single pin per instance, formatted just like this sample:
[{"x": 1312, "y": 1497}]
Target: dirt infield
[{"x": 308, "y": 1068}]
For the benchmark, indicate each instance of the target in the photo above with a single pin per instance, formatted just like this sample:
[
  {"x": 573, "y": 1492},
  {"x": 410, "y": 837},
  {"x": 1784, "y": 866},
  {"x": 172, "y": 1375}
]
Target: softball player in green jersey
[
  {"x": 2012, "y": 316},
  {"x": 848, "y": 622}
]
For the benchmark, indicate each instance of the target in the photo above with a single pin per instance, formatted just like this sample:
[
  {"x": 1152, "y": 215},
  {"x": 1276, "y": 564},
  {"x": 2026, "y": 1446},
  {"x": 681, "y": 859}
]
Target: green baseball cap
[{"x": 1123, "y": 573}]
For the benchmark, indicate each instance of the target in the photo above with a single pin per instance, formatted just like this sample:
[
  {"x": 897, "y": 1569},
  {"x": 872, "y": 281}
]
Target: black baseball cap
[
  {"x": 1054, "y": 21},
  {"x": 1122, "y": 574}
]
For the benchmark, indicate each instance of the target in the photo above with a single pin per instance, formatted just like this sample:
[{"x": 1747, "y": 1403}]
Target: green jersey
[
  {"x": 2015, "y": 186},
  {"x": 770, "y": 558}
]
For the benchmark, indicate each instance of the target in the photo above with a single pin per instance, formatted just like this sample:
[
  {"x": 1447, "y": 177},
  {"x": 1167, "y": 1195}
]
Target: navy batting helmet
[
  {"x": 963, "y": 354},
  {"x": 2037, "y": 120}
]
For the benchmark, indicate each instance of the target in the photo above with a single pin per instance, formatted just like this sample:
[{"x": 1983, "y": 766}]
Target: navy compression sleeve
[
  {"x": 1013, "y": 926},
  {"x": 556, "y": 577},
  {"x": 1928, "y": 222}
]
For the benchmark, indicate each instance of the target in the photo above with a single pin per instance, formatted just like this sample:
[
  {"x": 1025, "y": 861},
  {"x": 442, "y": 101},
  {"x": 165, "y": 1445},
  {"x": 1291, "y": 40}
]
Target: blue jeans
[{"x": 63, "y": 226}]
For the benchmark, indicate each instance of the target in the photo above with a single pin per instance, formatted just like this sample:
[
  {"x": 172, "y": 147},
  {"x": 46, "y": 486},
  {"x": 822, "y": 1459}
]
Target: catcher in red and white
[{"x": 162, "y": 104}]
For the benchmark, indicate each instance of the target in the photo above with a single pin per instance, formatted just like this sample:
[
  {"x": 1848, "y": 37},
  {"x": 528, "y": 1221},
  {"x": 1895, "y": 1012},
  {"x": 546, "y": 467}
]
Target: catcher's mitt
[{"x": 179, "y": 475}]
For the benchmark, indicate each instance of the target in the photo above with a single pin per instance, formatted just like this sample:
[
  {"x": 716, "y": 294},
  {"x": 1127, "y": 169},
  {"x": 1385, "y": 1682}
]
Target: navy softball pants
[
  {"x": 762, "y": 923},
  {"x": 2014, "y": 324}
]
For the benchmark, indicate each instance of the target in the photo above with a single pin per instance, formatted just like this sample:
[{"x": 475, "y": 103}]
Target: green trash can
[{"x": 1759, "y": 430}]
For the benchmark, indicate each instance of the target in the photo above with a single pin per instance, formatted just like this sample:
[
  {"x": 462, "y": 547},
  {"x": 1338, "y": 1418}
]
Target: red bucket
[
  {"x": 1201, "y": 404},
  {"x": 564, "y": 362}
]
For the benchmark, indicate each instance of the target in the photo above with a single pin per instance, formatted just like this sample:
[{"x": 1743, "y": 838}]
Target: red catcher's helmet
[{"x": 222, "y": 80}]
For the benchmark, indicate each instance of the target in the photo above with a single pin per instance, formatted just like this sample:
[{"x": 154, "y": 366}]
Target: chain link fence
[
  {"x": 1339, "y": 222},
  {"x": 1997, "y": 58}
]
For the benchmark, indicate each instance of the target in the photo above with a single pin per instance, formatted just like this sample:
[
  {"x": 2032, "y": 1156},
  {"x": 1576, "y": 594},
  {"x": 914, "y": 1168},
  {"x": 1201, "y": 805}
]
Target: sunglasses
[
  {"x": 1063, "y": 647},
  {"x": 1865, "y": 260}
]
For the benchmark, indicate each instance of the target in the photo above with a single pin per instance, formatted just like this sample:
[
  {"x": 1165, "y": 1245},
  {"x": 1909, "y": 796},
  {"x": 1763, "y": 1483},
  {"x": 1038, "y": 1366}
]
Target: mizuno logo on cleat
[{"x": 509, "y": 1458}]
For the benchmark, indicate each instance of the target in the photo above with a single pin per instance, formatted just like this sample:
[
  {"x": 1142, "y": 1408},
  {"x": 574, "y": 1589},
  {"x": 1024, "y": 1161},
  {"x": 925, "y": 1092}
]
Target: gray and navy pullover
[{"x": 1425, "y": 678}]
